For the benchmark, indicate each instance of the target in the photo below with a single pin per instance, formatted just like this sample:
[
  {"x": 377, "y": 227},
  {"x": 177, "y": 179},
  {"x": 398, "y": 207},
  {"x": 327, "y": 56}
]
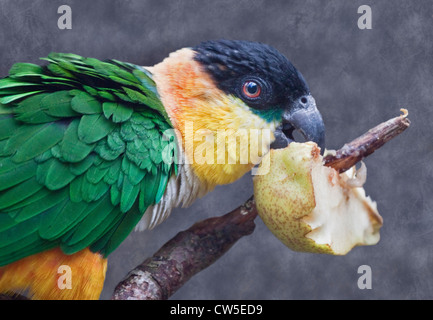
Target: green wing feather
[{"x": 81, "y": 154}]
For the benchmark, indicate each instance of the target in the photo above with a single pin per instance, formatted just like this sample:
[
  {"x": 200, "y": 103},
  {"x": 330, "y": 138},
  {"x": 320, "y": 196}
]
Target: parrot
[{"x": 91, "y": 150}]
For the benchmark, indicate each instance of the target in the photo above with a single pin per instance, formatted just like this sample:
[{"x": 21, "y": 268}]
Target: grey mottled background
[{"x": 359, "y": 79}]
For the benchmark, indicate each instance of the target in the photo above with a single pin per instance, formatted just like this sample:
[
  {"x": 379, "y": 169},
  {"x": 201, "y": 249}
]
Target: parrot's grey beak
[{"x": 304, "y": 117}]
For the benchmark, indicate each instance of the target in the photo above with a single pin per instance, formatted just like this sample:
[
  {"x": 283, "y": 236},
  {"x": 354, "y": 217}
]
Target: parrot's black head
[{"x": 268, "y": 83}]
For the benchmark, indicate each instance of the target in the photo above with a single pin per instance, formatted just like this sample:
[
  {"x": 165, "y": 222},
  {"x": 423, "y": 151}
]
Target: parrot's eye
[
  {"x": 255, "y": 92},
  {"x": 251, "y": 89}
]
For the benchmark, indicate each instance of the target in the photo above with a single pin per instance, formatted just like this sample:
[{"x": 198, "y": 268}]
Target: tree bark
[{"x": 189, "y": 252}]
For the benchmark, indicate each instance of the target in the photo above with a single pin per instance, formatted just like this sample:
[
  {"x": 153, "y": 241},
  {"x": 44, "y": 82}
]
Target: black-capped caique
[{"x": 90, "y": 149}]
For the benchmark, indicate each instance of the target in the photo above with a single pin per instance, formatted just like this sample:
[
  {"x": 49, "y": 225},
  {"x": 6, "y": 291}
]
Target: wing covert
[{"x": 81, "y": 154}]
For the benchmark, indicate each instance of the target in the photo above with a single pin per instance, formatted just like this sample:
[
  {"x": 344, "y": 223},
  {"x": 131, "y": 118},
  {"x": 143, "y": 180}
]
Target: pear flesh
[{"x": 311, "y": 207}]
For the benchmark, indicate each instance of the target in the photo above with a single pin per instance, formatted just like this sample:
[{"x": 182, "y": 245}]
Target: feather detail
[
  {"x": 181, "y": 191},
  {"x": 81, "y": 145},
  {"x": 53, "y": 275}
]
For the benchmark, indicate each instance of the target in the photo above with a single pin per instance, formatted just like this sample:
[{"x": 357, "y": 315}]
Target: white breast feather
[{"x": 182, "y": 190}]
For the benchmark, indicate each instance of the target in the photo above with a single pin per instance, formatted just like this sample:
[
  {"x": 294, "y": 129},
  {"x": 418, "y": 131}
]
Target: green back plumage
[{"x": 81, "y": 154}]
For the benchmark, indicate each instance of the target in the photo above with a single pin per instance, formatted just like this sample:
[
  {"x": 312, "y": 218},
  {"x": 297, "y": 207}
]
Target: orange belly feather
[{"x": 53, "y": 275}]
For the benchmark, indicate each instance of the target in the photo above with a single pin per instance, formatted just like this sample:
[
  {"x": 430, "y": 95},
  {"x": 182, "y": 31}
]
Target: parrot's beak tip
[{"x": 304, "y": 117}]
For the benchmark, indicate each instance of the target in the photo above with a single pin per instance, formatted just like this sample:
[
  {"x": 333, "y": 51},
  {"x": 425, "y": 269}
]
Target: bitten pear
[{"x": 311, "y": 207}]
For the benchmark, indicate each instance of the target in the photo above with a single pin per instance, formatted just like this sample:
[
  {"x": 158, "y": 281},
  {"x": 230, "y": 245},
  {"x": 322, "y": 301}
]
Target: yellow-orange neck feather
[{"x": 206, "y": 118}]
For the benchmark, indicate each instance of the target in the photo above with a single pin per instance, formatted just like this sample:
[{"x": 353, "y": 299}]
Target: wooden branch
[
  {"x": 193, "y": 250},
  {"x": 353, "y": 152},
  {"x": 189, "y": 252}
]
